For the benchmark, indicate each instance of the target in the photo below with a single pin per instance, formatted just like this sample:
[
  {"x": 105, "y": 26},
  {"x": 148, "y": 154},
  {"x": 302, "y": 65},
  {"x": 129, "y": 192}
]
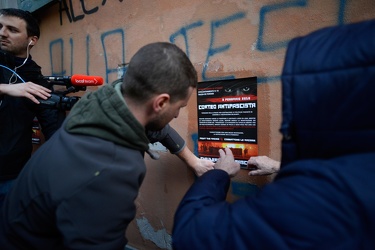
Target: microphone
[{"x": 76, "y": 80}]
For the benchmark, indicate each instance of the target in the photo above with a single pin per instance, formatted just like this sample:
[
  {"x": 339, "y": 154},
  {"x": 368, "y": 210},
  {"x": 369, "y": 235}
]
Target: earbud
[{"x": 30, "y": 43}]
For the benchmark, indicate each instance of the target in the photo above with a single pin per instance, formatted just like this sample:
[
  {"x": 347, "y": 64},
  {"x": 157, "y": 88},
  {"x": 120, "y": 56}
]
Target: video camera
[{"x": 74, "y": 83}]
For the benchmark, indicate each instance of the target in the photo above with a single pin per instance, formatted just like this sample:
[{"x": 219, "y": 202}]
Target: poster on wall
[{"x": 227, "y": 117}]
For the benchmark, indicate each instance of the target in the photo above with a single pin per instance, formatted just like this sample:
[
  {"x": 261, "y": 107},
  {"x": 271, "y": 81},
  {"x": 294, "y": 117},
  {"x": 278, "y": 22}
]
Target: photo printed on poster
[{"x": 227, "y": 117}]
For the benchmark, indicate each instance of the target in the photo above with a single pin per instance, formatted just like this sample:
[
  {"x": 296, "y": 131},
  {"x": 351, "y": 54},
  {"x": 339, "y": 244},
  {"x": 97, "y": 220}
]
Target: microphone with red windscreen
[{"x": 82, "y": 80}]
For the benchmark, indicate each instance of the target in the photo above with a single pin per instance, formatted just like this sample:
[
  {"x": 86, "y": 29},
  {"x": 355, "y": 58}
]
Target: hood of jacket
[
  {"x": 328, "y": 85},
  {"x": 104, "y": 114}
]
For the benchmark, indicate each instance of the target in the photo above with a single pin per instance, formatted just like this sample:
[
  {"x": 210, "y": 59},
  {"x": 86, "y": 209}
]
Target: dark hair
[
  {"x": 157, "y": 68},
  {"x": 32, "y": 25}
]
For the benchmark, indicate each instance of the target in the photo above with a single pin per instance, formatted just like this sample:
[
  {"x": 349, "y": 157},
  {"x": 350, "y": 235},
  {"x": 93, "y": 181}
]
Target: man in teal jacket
[{"x": 323, "y": 196}]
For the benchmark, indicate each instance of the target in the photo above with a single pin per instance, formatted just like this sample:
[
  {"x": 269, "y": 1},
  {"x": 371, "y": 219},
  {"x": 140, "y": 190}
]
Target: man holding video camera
[{"x": 20, "y": 87}]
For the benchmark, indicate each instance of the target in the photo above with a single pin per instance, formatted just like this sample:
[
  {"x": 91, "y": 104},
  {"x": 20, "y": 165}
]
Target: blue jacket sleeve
[
  {"x": 310, "y": 205},
  {"x": 205, "y": 220},
  {"x": 203, "y": 208}
]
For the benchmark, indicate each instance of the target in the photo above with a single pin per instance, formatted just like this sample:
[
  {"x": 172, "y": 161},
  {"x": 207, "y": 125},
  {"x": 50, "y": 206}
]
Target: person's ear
[
  {"x": 33, "y": 40},
  {"x": 160, "y": 102}
]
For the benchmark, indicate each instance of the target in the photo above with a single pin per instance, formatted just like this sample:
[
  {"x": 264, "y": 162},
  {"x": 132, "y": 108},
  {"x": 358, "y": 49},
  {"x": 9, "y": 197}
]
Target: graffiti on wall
[
  {"x": 71, "y": 12},
  {"x": 64, "y": 50},
  {"x": 60, "y": 46}
]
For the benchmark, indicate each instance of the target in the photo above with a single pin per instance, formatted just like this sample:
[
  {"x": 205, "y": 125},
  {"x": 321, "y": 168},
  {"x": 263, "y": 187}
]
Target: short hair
[
  {"x": 32, "y": 25},
  {"x": 157, "y": 68}
]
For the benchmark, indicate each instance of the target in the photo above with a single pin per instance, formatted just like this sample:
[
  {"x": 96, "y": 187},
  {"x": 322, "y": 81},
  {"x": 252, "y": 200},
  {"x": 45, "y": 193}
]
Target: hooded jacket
[
  {"x": 323, "y": 196},
  {"x": 78, "y": 190}
]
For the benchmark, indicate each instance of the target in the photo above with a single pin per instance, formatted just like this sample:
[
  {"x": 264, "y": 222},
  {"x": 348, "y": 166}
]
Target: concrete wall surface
[{"x": 223, "y": 39}]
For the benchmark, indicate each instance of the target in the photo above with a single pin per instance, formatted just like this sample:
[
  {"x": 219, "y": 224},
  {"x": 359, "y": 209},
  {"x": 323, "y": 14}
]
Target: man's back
[{"x": 51, "y": 199}]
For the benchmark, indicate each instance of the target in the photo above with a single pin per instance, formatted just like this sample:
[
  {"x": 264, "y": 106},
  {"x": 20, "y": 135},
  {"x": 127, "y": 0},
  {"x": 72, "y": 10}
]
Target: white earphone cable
[{"x": 17, "y": 67}]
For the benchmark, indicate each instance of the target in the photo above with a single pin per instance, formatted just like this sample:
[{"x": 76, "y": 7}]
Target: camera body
[{"x": 58, "y": 99}]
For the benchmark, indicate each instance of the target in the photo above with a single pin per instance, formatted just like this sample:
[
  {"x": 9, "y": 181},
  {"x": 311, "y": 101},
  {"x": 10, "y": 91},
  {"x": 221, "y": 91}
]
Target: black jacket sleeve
[{"x": 169, "y": 138}]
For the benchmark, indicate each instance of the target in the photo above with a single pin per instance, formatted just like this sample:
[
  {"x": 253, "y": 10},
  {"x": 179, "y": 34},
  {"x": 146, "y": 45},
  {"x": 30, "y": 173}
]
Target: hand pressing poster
[{"x": 227, "y": 117}]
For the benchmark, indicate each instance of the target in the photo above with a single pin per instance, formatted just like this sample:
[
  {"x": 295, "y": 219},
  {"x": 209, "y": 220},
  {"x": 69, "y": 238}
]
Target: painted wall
[{"x": 223, "y": 38}]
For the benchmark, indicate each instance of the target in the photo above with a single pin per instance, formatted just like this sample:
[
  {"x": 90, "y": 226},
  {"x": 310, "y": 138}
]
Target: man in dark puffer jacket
[
  {"x": 78, "y": 190},
  {"x": 323, "y": 196}
]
